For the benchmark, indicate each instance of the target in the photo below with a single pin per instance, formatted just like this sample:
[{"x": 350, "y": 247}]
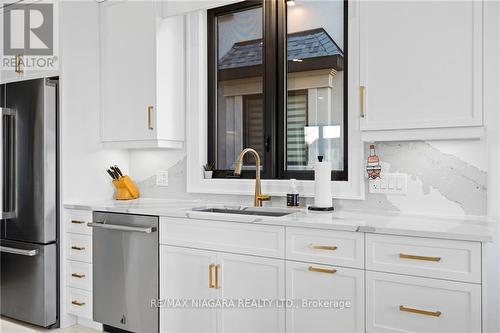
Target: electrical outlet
[
  {"x": 389, "y": 183},
  {"x": 162, "y": 178},
  {"x": 374, "y": 185}
]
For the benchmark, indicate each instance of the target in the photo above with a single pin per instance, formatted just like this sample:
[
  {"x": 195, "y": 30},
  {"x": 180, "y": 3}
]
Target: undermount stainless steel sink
[{"x": 249, "y": 211}]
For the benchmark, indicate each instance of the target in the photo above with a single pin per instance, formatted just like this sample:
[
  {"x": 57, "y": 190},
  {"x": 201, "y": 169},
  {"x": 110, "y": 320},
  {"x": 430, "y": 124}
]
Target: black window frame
[{"x": 274, "y": 69}]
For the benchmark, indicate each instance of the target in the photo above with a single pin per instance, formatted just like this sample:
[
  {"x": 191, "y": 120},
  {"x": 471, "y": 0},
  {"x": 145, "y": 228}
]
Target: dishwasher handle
[{"x": 122, "y": 228}]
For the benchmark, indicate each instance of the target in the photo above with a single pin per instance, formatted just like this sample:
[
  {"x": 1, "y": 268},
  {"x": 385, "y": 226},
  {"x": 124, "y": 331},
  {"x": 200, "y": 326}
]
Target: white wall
[
  {"x": 492, "y": 103},
  {"x": 84, "y": 161}
]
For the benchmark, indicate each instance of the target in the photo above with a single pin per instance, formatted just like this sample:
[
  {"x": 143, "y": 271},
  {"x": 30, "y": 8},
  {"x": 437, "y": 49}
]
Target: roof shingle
[{"x": 301, "y": 45}]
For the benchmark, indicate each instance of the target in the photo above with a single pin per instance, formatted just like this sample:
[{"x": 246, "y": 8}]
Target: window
[{"x": 277, "y": 83}]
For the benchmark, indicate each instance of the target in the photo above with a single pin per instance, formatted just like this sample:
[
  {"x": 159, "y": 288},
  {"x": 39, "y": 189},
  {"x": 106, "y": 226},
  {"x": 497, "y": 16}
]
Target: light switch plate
[
  {"x": 389, "y": 183},
  {"x": 162, "y": 178}
]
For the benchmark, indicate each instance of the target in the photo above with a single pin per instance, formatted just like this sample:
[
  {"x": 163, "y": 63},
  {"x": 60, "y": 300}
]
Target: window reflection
[
  {"x": 240, "y": 112},
  {"x": 315, "y": 84}
]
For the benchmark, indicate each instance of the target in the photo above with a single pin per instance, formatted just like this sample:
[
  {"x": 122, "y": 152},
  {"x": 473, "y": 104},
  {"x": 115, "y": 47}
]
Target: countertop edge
[{"x": 356, "y": 225}]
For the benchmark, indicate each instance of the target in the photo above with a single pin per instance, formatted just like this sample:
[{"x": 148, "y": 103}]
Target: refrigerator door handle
[
  {"x": 7, "y": 212},
  {"x": 13, "y": 250}
]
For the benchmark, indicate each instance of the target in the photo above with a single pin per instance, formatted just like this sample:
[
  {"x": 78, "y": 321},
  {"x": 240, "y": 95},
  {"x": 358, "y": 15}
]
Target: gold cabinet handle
[
  {"x": 78, "y": 303},
  {"x": 414, "y": 257},
  {"x": 78, "y": 248},
  {"x": 323, "y": 247},
  {"x": 362, "y": 101},
  {"x": 418, "y": 311},
  {"x": 150, "y": 117},
  {"x": 210, "y": 279},
  {"x": 18, "y": 69},
  {"x": 77, "y": 222},
  {"x": 322, "y": 270},
  {"x": 217, "y": 286},
  {"x": 78, "y": 275}
]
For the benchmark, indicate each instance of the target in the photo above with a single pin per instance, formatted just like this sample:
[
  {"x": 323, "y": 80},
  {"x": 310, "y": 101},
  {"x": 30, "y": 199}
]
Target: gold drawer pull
[
  {"x": 217, "y": 276},
  {"x": 78, "y": 248},
  {"x": 414, "y": 257},
  {"x": 150, "y": 118},
  {"x": 210, "y": 279},
  {"x": 322, "y": 270},
  {"x": 422, "y": 312},
  {"x": 78, "y": 275},
  {"x": 19, "y": 69},
  {"x": 78, "y": 303},
  {"x": 323, "y": 247},
  {"x": 77, "y": 222},
  {"x": 362, "y": 101}
]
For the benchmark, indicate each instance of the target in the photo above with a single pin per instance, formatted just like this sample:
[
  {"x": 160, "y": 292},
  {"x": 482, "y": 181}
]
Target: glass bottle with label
[{"x": 292, "y": 197}]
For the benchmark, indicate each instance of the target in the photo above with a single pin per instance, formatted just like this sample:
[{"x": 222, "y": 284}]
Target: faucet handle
[{"x": 263, "y": 197}]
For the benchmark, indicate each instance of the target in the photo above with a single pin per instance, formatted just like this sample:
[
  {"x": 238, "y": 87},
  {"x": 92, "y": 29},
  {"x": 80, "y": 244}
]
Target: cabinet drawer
[
  {"x": 325, "y": 246},
  {"x": 397, "y": 303},
  {"x": 438, "y": 258},
  {"x": 79, "y": 247},
  {"x": 79, "y": 303},
  {"x": 76, "y": 221},
  {"x": 260, "y": 240},
  {"x": 313, "y": 282},
  {"x": 79, "y": 275}
]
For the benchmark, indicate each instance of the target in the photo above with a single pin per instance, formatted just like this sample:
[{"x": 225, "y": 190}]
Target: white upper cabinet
[
  {"x": 142, "y": 76},
  {"x": 22, "y": 67},
  {"x": 177, "y": 7},
  {"x": 420, "y": 69}
]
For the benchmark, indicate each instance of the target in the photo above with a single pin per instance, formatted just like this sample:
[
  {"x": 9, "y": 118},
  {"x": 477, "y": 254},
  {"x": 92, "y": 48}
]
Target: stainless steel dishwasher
[{"x": 125, "y": 272}]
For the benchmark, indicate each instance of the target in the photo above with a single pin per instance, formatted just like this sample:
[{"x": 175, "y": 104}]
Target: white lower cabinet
[
  {"x": 340, "y": 291},
  {"x": 324, "y": 282},
  {"x": 79, "y": 302},
  {"x": 198, "y": 275},
  {"x": 78, "y": 269},
  {"x": 245, "y": 279},
  {"x": 397, "y": 303},
  {"x": 184, "y": 275}
]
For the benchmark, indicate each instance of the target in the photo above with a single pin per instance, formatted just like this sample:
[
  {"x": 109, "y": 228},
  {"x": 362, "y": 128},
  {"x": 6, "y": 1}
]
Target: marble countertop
[{"x": 472, "y": 229}]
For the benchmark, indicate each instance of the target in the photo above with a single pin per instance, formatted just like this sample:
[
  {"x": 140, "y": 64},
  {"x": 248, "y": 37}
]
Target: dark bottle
[{"x": 292, "y": 197}]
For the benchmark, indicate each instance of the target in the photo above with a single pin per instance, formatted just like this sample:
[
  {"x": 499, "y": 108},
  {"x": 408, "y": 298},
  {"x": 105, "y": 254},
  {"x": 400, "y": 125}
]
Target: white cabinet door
[
  {"x": 249, "y": 278},
  {"x": 128, "y": 70},
  {"x": 185, "y": 275},
  {"x": 173, "y": 8},
  {"x": 401, "y": 303},
  {"x": 32, "y": 66},
  {"x": 341, "y": 291},
  {"x": 420, "y": 64}
]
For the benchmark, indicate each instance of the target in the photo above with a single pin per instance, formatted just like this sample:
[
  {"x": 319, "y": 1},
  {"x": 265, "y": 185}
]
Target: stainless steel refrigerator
[{"x": 28, "y": 198}]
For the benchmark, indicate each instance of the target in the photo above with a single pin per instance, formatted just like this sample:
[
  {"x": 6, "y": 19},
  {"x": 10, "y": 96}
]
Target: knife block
[{"x": 125, "y": 189}]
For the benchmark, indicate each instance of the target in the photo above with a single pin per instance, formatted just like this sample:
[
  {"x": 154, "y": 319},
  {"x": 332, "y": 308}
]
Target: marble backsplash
[{"x": 439, "y": 182}]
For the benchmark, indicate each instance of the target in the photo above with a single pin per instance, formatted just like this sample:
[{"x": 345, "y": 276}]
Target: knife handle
[
  {"x": 111, "y": 174},
  {"x": 118, "y": 171}
]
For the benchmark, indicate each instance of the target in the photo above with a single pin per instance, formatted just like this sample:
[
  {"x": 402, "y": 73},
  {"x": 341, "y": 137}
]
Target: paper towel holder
[{"x": 320, "y": 209}]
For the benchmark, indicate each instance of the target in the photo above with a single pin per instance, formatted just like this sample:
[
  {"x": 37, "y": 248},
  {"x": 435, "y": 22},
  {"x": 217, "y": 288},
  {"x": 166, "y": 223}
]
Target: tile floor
[{"x": 11, "y": 326}]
